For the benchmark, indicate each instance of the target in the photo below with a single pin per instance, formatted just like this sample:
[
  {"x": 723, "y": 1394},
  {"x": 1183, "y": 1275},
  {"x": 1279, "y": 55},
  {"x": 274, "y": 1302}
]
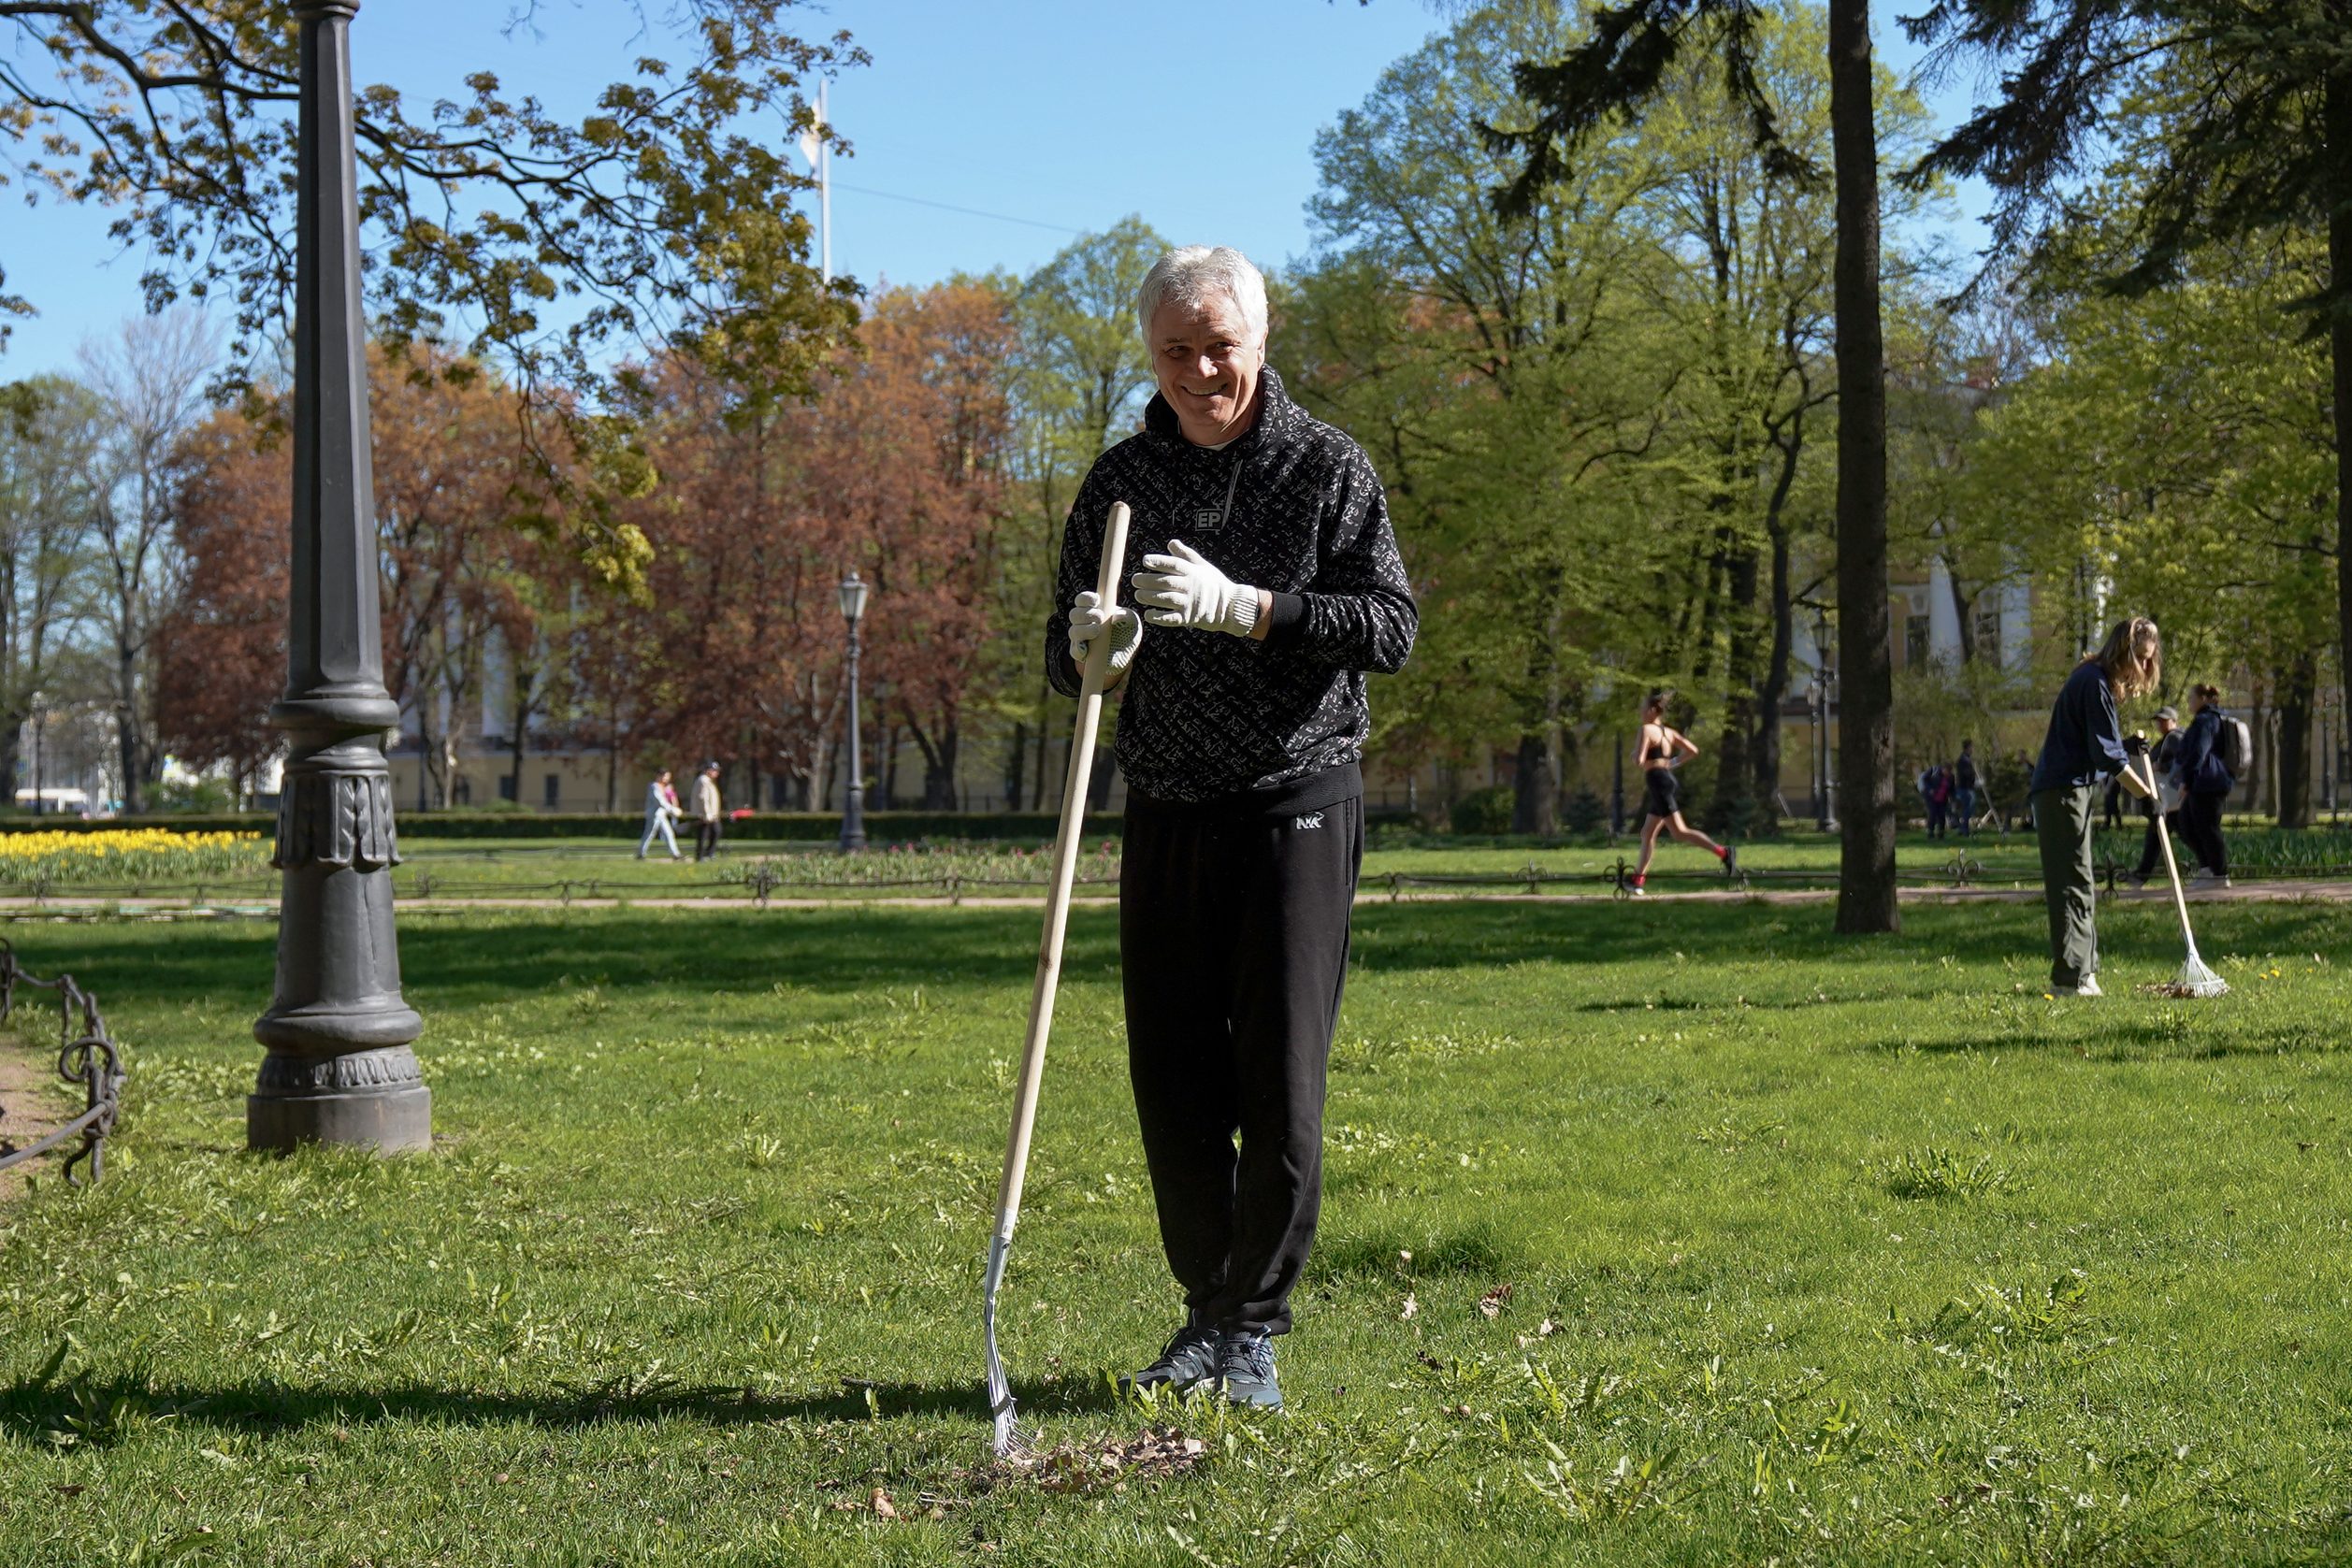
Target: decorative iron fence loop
[{"x": 86, "y": 1056}]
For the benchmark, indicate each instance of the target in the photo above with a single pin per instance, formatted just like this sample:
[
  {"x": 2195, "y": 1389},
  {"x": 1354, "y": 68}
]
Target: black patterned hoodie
[{"x": 1292, "y": 507}]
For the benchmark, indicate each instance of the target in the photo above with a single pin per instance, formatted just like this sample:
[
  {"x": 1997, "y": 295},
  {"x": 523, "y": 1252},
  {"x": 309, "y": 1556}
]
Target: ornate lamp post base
[{"x": 339, "y": 1068}]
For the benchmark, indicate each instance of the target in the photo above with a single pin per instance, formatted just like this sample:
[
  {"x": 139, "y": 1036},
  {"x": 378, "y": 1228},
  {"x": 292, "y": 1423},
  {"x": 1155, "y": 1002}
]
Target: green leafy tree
[
  {"x": 663, "y": 218},
  {"x": 1615, "y": 74},
  {"x": 2236, "y": 122},
  {"x": 1078, "y": 383}
]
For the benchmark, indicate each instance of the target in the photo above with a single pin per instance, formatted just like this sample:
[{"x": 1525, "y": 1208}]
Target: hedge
[{"x": 881, "y": 828}]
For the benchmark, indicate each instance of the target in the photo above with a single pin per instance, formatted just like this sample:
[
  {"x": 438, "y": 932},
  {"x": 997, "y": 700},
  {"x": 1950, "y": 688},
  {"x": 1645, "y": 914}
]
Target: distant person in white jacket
[{"x": 661, "y": 810}]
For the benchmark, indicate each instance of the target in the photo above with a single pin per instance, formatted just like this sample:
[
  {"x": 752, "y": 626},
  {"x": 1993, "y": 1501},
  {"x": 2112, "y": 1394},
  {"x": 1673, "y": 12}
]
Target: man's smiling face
[{"x": 1206, "y": 360}]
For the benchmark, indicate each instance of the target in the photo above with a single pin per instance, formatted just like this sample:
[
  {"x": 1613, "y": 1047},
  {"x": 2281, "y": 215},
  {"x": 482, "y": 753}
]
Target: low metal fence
[{"x": 87, "y": 1058}]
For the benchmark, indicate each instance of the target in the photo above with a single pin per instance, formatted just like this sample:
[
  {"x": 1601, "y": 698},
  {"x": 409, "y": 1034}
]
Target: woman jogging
[
  {"x": 1661, "y": 750},
  {"x": 2085, "y": 747}
]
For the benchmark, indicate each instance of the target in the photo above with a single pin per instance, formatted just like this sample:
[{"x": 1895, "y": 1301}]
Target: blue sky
[{"x": 1054, "y": 116}]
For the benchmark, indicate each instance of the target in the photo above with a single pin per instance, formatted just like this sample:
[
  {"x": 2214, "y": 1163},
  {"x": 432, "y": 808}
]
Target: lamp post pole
[
  {"x": 853, "y": 808},
  {"x": 339, "y": 1068},
  {"x": 39, "y": 806}
]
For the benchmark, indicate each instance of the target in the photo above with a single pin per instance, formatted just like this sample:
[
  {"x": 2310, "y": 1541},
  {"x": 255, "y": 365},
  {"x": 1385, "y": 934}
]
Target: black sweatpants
[
  {"x": 705, "y": 839},
  {"x": 2200, "y": 825},
  {"x": 1233, "y": 936},
  {"x": 2151, "y": 848}
]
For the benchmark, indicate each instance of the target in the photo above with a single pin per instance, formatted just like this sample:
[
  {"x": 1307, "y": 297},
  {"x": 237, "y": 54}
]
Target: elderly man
[
  {"x": 706, "y": 811},
  {"x": 1263, "y": 564}
]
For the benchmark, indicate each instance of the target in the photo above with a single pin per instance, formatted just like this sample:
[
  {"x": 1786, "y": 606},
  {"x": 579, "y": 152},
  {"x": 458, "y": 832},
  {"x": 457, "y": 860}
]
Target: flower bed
[{"x": 129, "y": 855}]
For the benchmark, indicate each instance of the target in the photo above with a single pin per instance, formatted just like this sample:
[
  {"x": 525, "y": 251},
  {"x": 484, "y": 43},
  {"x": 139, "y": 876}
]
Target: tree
[
  {"x": 149, "y": 387},
  {"x": 1613, "y": 74},
  {"x": 1079, "y": 380},
  {"x": 661, "y": 218},
  {"x": 2180, "y": 456},
  {"x": 1501, "y": 372},
  {"x": 49, "y": 430},
  {"x": 2238, "y": 122},
  {"x": 221, "y": 648}
]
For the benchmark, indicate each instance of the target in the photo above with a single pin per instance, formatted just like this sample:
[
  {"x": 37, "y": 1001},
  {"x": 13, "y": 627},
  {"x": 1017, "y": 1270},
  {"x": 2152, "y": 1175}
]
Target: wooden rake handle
[{"x": 1041, "y": 1001}]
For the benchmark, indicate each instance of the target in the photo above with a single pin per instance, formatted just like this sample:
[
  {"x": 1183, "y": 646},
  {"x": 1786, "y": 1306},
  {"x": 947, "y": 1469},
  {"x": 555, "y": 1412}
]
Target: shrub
[
  {"x": 1485, "y": 812},
  {"x": 1585, "y": 814}
]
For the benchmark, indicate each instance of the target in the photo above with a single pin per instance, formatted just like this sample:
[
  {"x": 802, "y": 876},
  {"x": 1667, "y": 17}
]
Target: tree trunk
[
  {"x": 521, "y": 741},
  {"x": 1534, "y": 789},
  {"x": 1774, "y": 688},
  {"x": 128, "y": 739},
  {"x": 939, "y": 771},
  {"x": 1734, "y": 808},
  {"x": 2299, "y": 683},
  {"x": 1016, "y": 765},
  {"x": 1866, "y": 673},
  {"x": 2339, "y": 133}
]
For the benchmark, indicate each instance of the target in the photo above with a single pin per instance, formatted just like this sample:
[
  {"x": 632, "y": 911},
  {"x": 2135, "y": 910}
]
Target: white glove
[
  {"x": 1087, "y": 619},
  {"x": 1183, "y": 589}
]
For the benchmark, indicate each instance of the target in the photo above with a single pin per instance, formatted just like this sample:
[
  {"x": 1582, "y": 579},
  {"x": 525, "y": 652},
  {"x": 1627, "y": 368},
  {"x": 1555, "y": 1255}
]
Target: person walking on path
[
  {"x": 1964, "y": 789},
  {"x": 2164, "y": 811},
  {"x": 1270, "y": 580},
  {"x": 1660, "y": 751},
  {"x": 1938, "y": 801},
  {"x": 2085, "y": 746},
  {"x": 706, "y": 811},
  {"x": 661, "y": 810},
  {"x": 2211, "y": 756}
]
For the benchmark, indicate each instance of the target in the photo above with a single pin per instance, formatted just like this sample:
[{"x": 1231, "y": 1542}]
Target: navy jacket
[
  {"x": 2086, "y": 741},
  {"x": 2198, "y": 765}
]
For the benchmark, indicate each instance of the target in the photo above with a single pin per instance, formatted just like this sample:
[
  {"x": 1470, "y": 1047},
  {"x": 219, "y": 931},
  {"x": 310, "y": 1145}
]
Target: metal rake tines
[{"x": 1009, "y": 1435}]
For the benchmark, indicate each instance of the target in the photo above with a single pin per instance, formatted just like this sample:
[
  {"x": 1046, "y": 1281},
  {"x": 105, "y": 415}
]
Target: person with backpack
[
  {"x": 2212, "y": 759},
  {"x": 2164, "y": 813},
  {"x": 1964, "y": 789},
  {"x": 2083, "y": 748}
]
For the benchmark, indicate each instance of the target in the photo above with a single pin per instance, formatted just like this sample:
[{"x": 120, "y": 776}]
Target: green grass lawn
[{"x": 1667, "y": 1234}]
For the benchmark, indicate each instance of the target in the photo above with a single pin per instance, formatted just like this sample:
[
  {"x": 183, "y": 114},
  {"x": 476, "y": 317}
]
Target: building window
[
  {"x": 553, "y": 791},
  {"x": 1988, "y": 649},
  {"x": 506, "y": 786},
  {"x": 1915, "y": 640}
]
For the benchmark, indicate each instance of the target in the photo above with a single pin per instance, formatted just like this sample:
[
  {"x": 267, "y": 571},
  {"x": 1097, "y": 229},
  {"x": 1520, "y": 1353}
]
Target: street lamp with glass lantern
[{"x": 853, "y": 812}]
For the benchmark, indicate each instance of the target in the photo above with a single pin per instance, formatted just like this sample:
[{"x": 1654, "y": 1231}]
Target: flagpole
[{"x": 825, "y": 188}]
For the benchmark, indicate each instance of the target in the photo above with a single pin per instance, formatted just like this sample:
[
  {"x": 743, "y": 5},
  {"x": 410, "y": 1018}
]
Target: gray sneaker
[
  {"x": 1245, "y": 1369},
  {"x": 1190, "y": 1362}
]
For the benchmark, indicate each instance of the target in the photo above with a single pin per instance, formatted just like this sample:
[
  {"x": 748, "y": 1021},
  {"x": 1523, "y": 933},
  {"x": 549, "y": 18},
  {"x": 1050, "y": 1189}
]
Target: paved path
[{"x": 2244, "y": 892}]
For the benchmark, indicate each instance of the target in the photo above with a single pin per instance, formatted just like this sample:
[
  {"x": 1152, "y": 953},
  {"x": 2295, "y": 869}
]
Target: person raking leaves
[{"x": 1268, "y": 584}]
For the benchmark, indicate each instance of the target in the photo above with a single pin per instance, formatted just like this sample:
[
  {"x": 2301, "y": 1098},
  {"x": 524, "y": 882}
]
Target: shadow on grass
[
  {"x": 100, "y": 1411},
  {"x": 502, "y": 956}
]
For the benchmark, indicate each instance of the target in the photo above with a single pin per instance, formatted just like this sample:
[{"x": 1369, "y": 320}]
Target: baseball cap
[{"x": 2168, "y": 712}]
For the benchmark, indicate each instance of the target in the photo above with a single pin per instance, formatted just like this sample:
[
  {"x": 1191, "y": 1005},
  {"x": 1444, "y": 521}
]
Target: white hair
[{"x": 1192, "y": 274}]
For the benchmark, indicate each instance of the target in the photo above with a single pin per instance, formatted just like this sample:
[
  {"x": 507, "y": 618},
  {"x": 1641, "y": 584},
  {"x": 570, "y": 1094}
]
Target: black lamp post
[
  {"x": 339, "y": 1068},
  {"x": 853, "y": 808}
]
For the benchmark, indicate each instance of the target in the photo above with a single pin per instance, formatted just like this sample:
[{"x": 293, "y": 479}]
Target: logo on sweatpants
[{"x": 1301, "y": 822}]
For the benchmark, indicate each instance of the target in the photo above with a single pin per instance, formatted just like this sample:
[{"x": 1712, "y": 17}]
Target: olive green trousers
[{"x": 2063, "y": 823}]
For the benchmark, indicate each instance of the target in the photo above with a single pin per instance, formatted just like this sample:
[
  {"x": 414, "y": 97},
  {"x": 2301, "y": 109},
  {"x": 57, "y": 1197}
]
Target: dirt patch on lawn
[{"x": 30, "y": 1108}]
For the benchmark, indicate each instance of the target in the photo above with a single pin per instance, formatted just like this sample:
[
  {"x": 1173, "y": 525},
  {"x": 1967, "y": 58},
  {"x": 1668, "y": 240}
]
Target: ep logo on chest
[{"x": 1207, "y": 520}]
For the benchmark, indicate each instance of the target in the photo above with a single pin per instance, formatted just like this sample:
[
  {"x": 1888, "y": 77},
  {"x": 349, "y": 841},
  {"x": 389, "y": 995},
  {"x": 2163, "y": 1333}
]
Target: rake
[
  {"x": 1009, "y": 1435},
  {"x": 2195, "y": 979}
]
